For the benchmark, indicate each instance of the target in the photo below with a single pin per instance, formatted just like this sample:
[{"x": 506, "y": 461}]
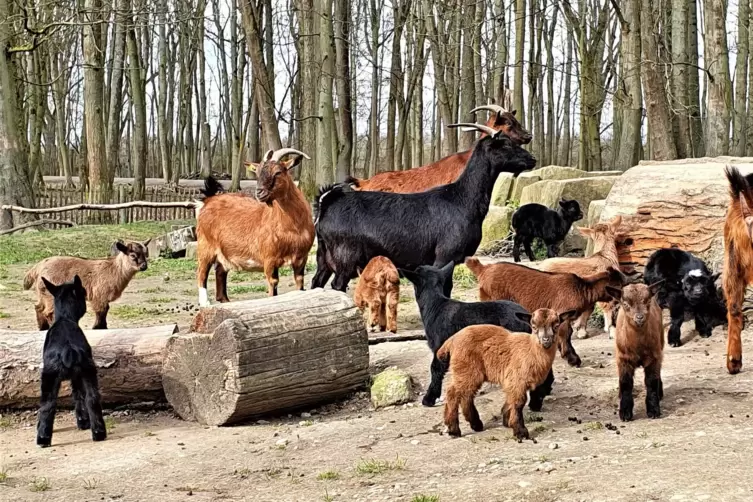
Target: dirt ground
[{"x": 699, "y": 449}]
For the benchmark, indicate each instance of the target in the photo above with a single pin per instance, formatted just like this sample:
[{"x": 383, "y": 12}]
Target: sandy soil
[{"x": 699, "y": 450}]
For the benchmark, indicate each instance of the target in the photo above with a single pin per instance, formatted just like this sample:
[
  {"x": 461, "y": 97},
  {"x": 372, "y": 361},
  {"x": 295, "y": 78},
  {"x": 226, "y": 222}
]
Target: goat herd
[{"x": 419, "y": 224}]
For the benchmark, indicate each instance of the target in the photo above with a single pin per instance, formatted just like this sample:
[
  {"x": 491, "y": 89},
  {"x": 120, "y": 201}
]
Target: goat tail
[
  {"x": 31, "y": 277},
  {"x": 475, "y": 266},
  {"x": 738, "y": 184},
  {"x": 390, "y": 276},
  {"x": 72, "y": 357},
  {"x": 330, "y": 193},
  {"x": 212, "y": 187},
  {"x": 354, "y": 182},
  {"x": 444, "y": 352}
]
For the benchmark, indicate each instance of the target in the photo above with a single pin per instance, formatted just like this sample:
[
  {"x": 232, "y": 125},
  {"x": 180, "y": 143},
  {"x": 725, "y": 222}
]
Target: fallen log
[
  {"x": 129, "y": 363},
  {"x": 248, "y": 358}
]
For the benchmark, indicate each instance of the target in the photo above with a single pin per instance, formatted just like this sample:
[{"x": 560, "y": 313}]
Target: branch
[
  {"x": 318, "y": 117},
  {"x": 105, "y": 207},
  {"x": 623, "y": 22},
  {"x": 36, "y": 223},
  {"x": 373, "y": 340}
]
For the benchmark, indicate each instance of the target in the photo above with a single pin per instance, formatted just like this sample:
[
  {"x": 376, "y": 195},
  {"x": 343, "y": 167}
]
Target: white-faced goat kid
[
  {"x": 640, "y": 342},
  {"x": 517, "y": 362},
  {"x": 378, "y": 291},
  {"x": 435, "y": 227},
  {"x": 238, "y": 232},
  {"x": 68, "y": 356},
  {"x": 104, "y": 279}
]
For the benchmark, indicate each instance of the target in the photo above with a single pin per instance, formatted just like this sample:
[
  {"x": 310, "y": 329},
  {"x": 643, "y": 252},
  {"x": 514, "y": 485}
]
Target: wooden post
[{"x": 123, "y": 213}]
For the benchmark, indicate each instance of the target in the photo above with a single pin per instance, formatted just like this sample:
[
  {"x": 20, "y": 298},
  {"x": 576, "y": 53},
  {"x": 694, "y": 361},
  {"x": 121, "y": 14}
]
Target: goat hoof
[
  {"x": 734, "y": 366},
  {"x": 626, "y": 415},
  {"x": 574, "y": 360},
  {"x": 382, "y": 328},
  {"x": 393, "y": 331},
  {"x": 675, "y": 343},
  {"x": 653, "y": 413},
  {"x": 453, "y": 433},
  {"x": 83, "y": 425},
  {"x": 704, "y": 335},
  {"x": 99, "y": 435},
  {"x": 522, "y": 433},
  {"x": 428, "y": 401},
  {"x": 43, "y": 442},
  {"x": 477, "y": 426},
  {"x": 535, "y": 406}
]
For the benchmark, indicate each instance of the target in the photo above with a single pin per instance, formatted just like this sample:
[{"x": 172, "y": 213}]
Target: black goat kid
[
  {"x": 688, "y": 288},
  {"x": 443, "y": 317},
  {"x": 436, "y": 227},
  {"x": 68, "y": 356},
  {"x": 535, "y": 220}
]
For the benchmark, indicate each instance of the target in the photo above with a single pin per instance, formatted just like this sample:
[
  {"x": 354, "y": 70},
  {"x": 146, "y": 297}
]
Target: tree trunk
[
  {"x": 344, "y": 99},
  {"x": 137, "y": 83},
  {"x": 399, "y": 11},
  {"x": 630, "y": 91},
  {"x": 324, "y": 131},
  {"x": 742, "y": 121},
  {"x": 116, "y": 84},
  {"x": 129, "y": 365},
  {"x": 680, "y": 102},
  {"x": 245, "y": 359},
  {"x": 467, "y": 83},
  {"x": 565, "y": 147},
  {"x": 520, "y": 36},
  {"x": 694, "y": 87},
  {"x": 719, "y": 98},
  {"x": 308, "y": 62}
]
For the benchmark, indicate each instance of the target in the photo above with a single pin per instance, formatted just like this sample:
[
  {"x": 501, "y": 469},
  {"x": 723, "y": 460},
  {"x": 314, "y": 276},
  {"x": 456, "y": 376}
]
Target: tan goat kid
[
  {"x": 605, "y": 237},
  {"x": 379, "y": 291},
  {"x": 104, "y": 279},
  {"x": 238, "y": 232}
]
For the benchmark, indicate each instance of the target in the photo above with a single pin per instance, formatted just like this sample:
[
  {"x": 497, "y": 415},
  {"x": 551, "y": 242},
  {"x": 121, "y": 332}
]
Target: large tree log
[
  {"x": 129, "y": 363},
  {"x": 678, "y": 203},
  {"x": 248, "y": 358}
]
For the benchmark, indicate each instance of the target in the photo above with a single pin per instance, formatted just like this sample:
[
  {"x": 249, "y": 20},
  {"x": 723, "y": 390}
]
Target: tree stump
[
  {"x": 248, "y": 358},
  {"x": 129, "y": 365}
]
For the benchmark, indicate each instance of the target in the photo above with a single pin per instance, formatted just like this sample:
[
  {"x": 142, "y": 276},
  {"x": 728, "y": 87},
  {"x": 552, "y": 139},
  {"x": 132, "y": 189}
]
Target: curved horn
[
  {"x": 279, "y": 154},
  {"x": 492, "y": 108},
  {"x": 268, "y": 155},
  {"x": 479, "y": 127}
]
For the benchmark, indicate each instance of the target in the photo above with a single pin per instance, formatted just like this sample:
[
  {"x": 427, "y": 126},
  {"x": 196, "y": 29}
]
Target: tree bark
[
  {"x": 520, "y": 37},
  {"x": 630, "y": 90},
  {"x": 344, "y": 98},
  {"x": 137, "y": 84},
  {"x": 680, "y": 102},
  {"x": 742, "y": 121},
  {"x": 467, "y": 82},
  {"x": 696, "y": 127},
  {"x": 116, "y": 84},
  {"x": 245, "y": 359},
  {"x": 716, "y": 57},
  {"x": 565, "y": 147}
]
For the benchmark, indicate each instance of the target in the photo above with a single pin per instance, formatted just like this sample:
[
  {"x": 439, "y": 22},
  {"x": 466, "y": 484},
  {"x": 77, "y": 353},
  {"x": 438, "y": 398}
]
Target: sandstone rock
[
  {"x": 502, "y": 189},
  {"x": 592, "y": 218},
  {"x": 523, "y": 180},
  {"x": 496, "y": 225},
  {"x": 191, "y": 250},
  {"x": 566, "y": 173},
  {"x": 392, "y": 386}
]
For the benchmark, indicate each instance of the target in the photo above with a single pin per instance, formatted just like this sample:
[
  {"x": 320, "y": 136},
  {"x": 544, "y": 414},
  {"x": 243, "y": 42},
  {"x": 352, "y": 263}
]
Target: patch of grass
[
  {"x": 306, "y": 423},
  {"x": 543, "y": 458},
  {"x": 327, "y": 497},
  {"x": 40, "y": 485},
  {"x": 242, "y": 473},
  {"x": 149, "y": 434},
  {"x": 156, "y": 290},
  {"x": 593, "y": 426},
  {"x": 175, "y": 268},
  {"x": 513, "y": 203},
  {"x": 110, "y": 424},
  {"x": 161, "y": 299},
  {"x": 240, "y": 277},
  {"x": 540, "y": 428},
  {"x": 374, "y": 466},
  {"x": 4, "y": 315},
  {"x": 406, "y": 299},
  {"x": 132, "y": 312},
  {"x": 425, "y": 498},
  {"x": 462, "y": 277},
  {"x": 5, "y": 422},
  {"x": 4, "y": 273},
  {"x": 539, "y": 249},
  {"x": 533, "y": 417},
  {"x": 243, "y": 289},
  {"x": 86, "y": 241},
  {"x": 328, "y": 475},
  {"x": 4, "y": 474},
  {"x": 91, "y": 484}
]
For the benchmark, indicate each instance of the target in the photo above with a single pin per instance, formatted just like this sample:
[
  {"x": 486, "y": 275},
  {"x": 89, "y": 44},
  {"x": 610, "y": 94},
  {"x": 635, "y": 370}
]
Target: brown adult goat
[
  {"x": 534, "y": 289},
  {"x": 104, "y": 279},
  {"x": 447, "y": 169},
  {"x": 238, "y": 232}
]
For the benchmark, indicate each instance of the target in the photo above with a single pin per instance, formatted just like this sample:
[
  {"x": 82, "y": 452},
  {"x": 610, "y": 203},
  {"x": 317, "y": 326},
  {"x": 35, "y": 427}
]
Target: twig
[
  {"x": 395, "y": 338},
  {"x": 105, "y": 207},
  {"x": 36, "y": 223}
]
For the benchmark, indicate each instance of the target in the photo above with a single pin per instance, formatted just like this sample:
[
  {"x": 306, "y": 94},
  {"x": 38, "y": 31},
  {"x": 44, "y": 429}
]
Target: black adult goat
[
  {"x": 435, "y": 227},
  {"x": 443, "y": 317},
  {"x": 688, "y": 288}
]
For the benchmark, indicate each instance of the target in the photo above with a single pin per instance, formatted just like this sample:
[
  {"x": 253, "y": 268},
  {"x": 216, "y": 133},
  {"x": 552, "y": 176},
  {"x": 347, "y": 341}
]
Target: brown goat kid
[
  {"x": 379, "y": 290},
  {"x": 238, "y": 232},
  {"x": 604, "y": 256},
  {"x": 534, "y": 289},
  {"x": 104, "y": 279},
  {"x": 738, "y": 260},
  {"x": 639, "y": 342},
  {"x": 518, "y": 362},
  {"x": 447, "y": 169}
]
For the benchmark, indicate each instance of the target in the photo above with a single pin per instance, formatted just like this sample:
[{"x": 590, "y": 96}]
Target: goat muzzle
[
  {"x": 262, "y": 194},
  {"x": 547, "y": 341},
  {"x": 143, "y": 267}
]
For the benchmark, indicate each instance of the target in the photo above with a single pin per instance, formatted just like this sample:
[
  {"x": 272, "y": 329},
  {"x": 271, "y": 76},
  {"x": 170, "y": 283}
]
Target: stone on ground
[{"x": 392, "y": 386}]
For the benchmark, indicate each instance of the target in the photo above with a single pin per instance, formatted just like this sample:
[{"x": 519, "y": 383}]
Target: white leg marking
[{"x": 203, "y": 297}]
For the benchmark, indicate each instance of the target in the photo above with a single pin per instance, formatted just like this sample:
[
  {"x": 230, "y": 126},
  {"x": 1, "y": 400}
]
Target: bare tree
[
  {"x": 741, "y": 122},
  {"x": 716, "y": 60},
  {"x": 341, "y": 27}
]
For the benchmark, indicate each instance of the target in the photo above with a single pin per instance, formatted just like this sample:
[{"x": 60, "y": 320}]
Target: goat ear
[
  {"x": 523, "y": 316},
  {"x": 77, "y": 281},
  {"x": 615, "y": 293},
  {"x": 654, "y": 288},
  {"x": 562, "y": 202},
  {"x": 251, "y": 167},
  {"x": 514, "y": 112},
  {"x": 51, "y": 288},
  {"x": 447, "y": 270},
  {"x": 146, "y": 242},
  {"x": 359, "y": 271},
  {"x": 585, "y": 231},
  {"x": 120, "y": 246},
  {"x": 290, "y": 162},
  {"x": 570, "y": 315},
  {"x": 408, "y": 274},
  {"x": 715, "y": 276}
]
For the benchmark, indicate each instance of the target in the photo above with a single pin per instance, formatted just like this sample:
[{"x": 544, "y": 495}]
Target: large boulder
[
  {"x": 502, "y": 189},
  {"x": 392, "y": 386},
  {"x": 566, "y": 173},
  {"x": 592, "y": 218},
  {"x": 523, "y": 180},
  {"x": 496, "y": 225},
  {"x": 584, "y": 190}
]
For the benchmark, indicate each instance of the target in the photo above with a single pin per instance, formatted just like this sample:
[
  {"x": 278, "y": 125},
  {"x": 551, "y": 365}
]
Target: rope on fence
[
  {"x": 103, "y": 207},
  {"x": 36, "y": 223}
]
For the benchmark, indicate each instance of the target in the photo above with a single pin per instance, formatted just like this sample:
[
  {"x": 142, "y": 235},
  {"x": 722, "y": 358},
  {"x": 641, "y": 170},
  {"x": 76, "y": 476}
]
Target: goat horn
[
  {"x": 492, "y": 108},
  {"x": 479, "y": 127},
  {"x": 279, "y": 154}
]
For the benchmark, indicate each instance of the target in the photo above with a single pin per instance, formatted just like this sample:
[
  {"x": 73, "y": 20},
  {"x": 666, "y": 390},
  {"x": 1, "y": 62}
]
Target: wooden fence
[{"x": 56, "y": 196}]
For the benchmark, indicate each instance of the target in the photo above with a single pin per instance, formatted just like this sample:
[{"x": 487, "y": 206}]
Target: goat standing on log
[
  {"x": 68, "y": 356},
  {"x": 104, "y": 279},
  {"x": 445, "y": 170},
  {"x": 237, "y": 232},
  {"x": 436, "y": 227},
  {"x": 738, "y": 260}
]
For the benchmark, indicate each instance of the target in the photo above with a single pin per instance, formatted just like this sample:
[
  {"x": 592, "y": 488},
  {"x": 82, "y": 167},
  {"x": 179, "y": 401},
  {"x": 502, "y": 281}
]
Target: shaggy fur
[
  {"x": 443, "y": 317},
  {"x": 238, "y": 232},
  {"x": 379, "y": 291},
  {"x": 68, "y": 356},
  {"x": 604, "y": 256},
  {"x": 517, "y": 362},
  {"x": 104, "y": 279},
  {"x": 436, "y": 227},
  {"x": 738, "y": 260},
  {"x": 639, "y": 342},
  {"x": 688, "y": 287},
  {"x": 535, "y": 289},
  {"x": 534, "y": 220},
  {"x": 443, "y": 171}
]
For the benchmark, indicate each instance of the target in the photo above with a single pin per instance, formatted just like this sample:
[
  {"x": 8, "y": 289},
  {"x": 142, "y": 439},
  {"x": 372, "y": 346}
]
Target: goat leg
[
  {"x": 299, "y": 268},
  {"x": 654, "y": 390},
  {"x": 701, "y": 326},
  {"x": 677, "y": 313},
  {"x": 438, "y": 370},
  {"x": 516, "y": 419},
  {"x": 552, "y": 250},
  {"x": 46, "y": 419},
  {"x": 42, "y": 320},
  {"x": 567, "y": 351},
  {"x": 100, "y": 317},
  {"x": 94, "y": 405},
  {"x": 393, "y": 298},
  {"x": 323, "y": 272},
  {"x": 539, "y": 393},
  {"x": 734, "y": 292},
  {"x": 220, "y": 283},
  {"x": 471, "y": 413},
  {"x": 626, "y": 373},
  {"x": 83, "y": 422},
  {"x": 516, "y": 243},
  {"x": 273, "y": 278},
  {"x": 451, "y": 419},
  {"x": 529, "y": 252}
]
